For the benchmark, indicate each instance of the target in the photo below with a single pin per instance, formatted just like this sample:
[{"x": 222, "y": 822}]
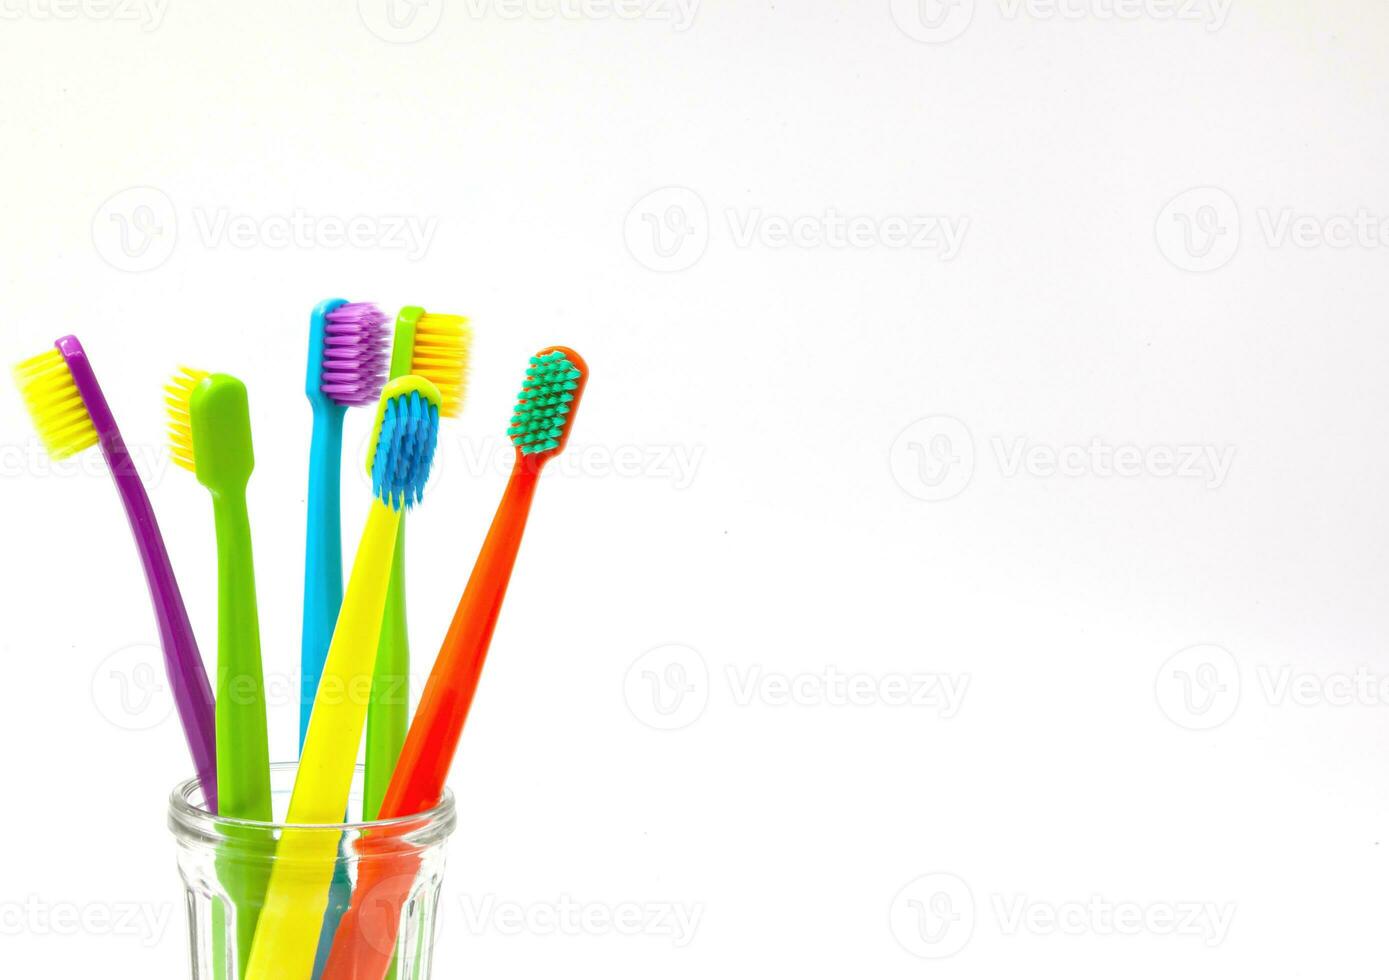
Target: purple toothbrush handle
[{"x": 184, "y": 664}]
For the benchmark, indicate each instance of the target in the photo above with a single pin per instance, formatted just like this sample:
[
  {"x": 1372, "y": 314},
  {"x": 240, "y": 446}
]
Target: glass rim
[{"x": 423, "y": 828}]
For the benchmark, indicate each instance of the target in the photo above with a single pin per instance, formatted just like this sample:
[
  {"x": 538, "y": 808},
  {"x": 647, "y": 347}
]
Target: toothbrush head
[
  {"x": 347, "y": 352},
  {"x": 402, "y": 441},
  {"x": 210, "y": 428},
  {"x": 545, "y": 407},
  {"x": 178, "y": 396},
  {"x": 434, "y": 346},
  {"x": 51, "y": 394}
]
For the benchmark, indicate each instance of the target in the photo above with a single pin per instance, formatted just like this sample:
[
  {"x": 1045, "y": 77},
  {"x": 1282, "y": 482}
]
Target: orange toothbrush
[{"x": 539, "y": 430}]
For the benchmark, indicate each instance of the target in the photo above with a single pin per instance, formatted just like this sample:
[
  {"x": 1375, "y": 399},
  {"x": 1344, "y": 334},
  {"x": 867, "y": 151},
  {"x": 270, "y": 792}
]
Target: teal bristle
[
  {"x": 404, "y": 450},
  {"x": 542, "y": 407}
]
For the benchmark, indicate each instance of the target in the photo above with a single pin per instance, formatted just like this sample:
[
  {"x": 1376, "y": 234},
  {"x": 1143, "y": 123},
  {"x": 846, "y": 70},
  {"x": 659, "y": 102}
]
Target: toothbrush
[
  {"x": 433, "y": 346},
  {"x": 402, "y": 448},
  {"x": 540, "y": 428},
  {"x": 71, "y": 414},
  {"x": 347, "y": 358},
  {"x": 210, "y": 435},
  {"x": 347, "y": 355}
]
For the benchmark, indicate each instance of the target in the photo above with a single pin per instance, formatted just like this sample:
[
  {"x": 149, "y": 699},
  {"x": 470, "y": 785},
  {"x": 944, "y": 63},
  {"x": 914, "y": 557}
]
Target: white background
[{"x": 797, "y": 461}]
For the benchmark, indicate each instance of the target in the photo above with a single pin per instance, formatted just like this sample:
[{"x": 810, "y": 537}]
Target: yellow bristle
[
  {"x": 441, "y": 355},
  {"x": 176, "y": 397},
  {"x": 49, "y": 391}
]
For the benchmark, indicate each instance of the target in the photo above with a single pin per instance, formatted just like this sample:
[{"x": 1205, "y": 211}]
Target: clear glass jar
[{"x": 226, "y": 865}]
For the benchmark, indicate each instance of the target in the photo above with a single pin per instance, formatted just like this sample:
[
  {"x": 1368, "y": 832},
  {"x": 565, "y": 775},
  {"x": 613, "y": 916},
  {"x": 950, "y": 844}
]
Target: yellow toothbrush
[{"x": 402, "y": 448}]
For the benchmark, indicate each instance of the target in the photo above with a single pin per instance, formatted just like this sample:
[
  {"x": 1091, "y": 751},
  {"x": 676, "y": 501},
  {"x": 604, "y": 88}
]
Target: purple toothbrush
[{"x": 71, "y": 414}]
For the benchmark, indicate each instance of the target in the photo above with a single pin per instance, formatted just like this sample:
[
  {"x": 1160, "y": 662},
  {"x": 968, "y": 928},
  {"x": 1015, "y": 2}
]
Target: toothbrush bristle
[
  {"x": 50, "y": 393},
  {"x": 442, "y": 343},
  {"x": 544, "y": 405},
  {"x": 354, "y": 354},
  {"x": 408, "y": 433},
  {"x": 177, "y": 394}
]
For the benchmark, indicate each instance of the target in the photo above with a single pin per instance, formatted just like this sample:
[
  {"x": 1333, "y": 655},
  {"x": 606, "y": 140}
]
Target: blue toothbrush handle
[
  {"x": 322, "y": 600},
  {"x": 322, "y": 553}
]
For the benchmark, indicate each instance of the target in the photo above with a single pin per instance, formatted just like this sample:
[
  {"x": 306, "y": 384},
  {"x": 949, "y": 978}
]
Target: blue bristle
[{"x": 405, "y": 450}]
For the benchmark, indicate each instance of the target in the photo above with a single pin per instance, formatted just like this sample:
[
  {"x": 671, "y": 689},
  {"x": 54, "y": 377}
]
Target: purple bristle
[{"x": 354, "y": 354}]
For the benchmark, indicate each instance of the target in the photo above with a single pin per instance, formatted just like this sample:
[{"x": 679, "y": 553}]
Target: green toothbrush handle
[
  {"x": 242, "y": 743},
  {"x": 389, "y": 707},
  {"x": 243, "y": 756}
]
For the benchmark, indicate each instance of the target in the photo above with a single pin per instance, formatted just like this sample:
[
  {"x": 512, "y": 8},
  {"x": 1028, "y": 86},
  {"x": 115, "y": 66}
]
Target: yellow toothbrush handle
[{"x": 290, "y": 922}]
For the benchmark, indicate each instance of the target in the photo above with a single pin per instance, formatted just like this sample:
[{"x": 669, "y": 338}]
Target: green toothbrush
[
  {"x": 210, "y": 433},
  {"x": 433, "y": 346}
]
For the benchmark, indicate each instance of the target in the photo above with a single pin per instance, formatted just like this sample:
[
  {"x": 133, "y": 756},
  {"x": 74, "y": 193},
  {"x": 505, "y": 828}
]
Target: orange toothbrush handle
[
  {"x": 419, "y": 777},
  {"x": 366, "y": 936}
]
